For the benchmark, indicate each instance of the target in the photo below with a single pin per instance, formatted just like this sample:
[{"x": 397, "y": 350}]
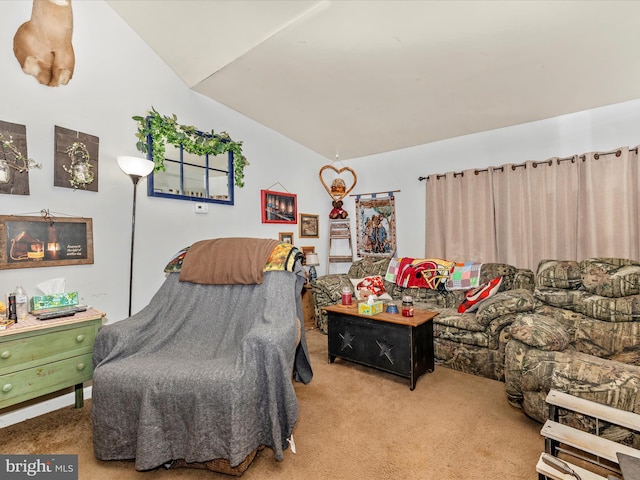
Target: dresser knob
[
  {"x": 81, "y": 366},
  {"x": 7, "y": 387},
  {"x": 6, "y": 354},
  {"x": 80, "y": 338}
]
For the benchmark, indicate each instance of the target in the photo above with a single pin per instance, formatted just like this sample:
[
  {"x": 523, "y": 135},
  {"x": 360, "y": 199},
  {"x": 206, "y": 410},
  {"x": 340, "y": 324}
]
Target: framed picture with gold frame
[
  {"x": 309, "y": 226},
  {"x": 286, "y": 237}
]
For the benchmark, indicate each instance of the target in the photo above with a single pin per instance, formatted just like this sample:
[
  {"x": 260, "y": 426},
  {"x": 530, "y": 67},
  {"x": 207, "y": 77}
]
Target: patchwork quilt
[{"x": 433, "y": 273}]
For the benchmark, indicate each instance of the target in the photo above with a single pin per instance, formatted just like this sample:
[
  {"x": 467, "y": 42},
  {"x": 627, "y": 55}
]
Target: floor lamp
[{"x": 136, "y": 168}]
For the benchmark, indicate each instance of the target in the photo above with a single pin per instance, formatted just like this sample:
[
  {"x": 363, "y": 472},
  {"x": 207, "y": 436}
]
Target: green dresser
[{"x": 40, "y": 357}]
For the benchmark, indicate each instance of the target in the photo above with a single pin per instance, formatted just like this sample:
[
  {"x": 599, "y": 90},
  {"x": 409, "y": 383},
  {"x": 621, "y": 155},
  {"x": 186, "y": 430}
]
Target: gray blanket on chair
[{"x": 203, "y": 372}]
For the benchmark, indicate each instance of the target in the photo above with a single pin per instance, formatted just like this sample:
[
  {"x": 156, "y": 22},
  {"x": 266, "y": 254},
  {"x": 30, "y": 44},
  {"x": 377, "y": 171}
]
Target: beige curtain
[
  {"x": 566, "y": 209},
  {"x": 608, "y": 212},
  {"x": 535, "y": 211},
  {"x": 460, "y": 219}
]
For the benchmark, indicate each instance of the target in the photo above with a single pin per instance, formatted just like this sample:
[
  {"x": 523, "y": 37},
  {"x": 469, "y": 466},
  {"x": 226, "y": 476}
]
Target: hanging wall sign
[
  {"x": 29, "y": 242},
  {"x": 14, "y": 162},
  {"x": 76, "y": 160}
]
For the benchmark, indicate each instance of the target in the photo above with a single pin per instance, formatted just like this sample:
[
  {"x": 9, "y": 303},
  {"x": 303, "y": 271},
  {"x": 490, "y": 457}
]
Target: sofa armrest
[
  {"x": 540, "y": 331},
  {"x": 327, "y": 290}
]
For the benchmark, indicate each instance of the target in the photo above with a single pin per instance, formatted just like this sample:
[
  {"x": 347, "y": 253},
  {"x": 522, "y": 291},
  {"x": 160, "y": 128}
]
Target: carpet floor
[{"x": 355, "y": 423}]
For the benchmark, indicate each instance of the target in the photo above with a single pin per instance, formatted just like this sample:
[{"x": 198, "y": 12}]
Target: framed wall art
[
  {"x": 278, "y": 207},
  {"x": 28, "y": 242},
  {"x": 286, "y": 237},
  {"x": 309, "y": 227}
]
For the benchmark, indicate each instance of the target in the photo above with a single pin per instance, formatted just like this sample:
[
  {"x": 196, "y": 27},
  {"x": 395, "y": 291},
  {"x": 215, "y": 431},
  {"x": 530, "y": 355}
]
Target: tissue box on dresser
[
  {"x": 370, "y": 308},
  {"x": 40, "y": 302}
]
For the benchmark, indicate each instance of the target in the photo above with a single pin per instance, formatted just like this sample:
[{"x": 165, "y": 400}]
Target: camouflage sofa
[
  {"x": 470, "y": 342},
  {"x": 582, "y": 338}
]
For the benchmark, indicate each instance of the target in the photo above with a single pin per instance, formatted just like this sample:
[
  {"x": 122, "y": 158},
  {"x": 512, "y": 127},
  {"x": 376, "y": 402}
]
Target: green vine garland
[{"x": 167, "y": 129}]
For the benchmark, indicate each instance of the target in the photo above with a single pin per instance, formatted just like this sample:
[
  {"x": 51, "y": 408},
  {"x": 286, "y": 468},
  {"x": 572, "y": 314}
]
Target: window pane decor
[{"x": 376, "y": 226}]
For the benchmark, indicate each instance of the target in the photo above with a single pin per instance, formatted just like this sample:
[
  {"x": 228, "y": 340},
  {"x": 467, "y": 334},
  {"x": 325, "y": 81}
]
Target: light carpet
[{"x": 355, "y": 423}]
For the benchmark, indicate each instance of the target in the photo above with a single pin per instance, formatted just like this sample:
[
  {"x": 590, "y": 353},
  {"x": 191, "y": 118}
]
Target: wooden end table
[{"x": 386, "y": 341}]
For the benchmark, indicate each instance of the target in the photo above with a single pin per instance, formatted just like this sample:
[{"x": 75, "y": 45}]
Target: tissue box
[
  {"x": 67, "y": 299},
  {"x": 366, "y": 309}
]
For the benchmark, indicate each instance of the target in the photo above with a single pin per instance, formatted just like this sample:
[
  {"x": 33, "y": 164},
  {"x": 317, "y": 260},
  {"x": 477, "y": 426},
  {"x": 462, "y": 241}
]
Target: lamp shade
[
  {"x": 312, "y": 259},
  {"x": 135, "y": 165}
]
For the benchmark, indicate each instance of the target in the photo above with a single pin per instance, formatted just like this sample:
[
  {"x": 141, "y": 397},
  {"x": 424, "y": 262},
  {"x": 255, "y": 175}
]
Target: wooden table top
[
  {"x": 419, "y": 316},
  {"x": 31, "y": 323}
]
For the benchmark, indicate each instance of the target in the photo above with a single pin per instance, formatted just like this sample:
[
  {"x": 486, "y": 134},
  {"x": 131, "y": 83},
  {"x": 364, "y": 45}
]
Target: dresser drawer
[
  {"x": 49, "y": 346},
  {"x": 43, "y": 379}
]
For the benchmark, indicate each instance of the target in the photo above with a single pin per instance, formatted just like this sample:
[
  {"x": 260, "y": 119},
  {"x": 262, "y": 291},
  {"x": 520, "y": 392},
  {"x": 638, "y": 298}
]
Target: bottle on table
[{"x": 22, "y": 304}]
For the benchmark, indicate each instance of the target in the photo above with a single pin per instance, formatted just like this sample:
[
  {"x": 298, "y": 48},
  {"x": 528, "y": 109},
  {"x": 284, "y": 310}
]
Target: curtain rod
[
  {"x": 549, "y": 162},
  {"x": 374, "y": 193}
]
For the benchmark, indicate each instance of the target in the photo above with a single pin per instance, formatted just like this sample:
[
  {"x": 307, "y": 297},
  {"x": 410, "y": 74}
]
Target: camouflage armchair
[{"x": 583, "y": 338}]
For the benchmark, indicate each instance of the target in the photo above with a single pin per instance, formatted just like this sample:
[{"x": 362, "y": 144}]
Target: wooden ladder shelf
[{"x": 340, "y": 229}]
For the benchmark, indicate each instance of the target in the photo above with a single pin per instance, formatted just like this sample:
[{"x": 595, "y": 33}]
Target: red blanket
[{"x": 423, "y": 273}]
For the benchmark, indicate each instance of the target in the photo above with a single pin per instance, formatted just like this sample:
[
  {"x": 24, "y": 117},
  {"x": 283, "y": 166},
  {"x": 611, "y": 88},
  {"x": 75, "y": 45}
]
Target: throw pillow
[
  {"x": 373, "y": 285},
  {"x": 505, "y": 303},
  {"x": 473, "y": 297}
]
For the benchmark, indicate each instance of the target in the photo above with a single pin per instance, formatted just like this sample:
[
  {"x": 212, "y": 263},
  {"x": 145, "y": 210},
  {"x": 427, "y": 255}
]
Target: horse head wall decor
[{"x": 43, "y": 46}]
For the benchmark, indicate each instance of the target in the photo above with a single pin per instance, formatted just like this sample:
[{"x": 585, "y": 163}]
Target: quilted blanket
[
  {"x": 203, "y": 372},
  {"x": 464, "y": 276}
]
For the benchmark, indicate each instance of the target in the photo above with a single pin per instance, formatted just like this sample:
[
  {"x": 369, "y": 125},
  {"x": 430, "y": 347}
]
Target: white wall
[
  {"x": 600, "y": 129},
  {"x": 118, "y": 76}
]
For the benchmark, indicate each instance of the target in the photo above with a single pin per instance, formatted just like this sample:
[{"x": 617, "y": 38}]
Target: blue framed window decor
[{"x": 188, "y": 176}]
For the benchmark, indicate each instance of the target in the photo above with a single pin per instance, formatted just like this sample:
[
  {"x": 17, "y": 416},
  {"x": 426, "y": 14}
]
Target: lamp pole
[
  {"x": 135, "y": 179},
  {"x": 136, "y": 168}
]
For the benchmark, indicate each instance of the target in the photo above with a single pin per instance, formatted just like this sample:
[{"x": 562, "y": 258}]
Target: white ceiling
[{"x": 354, "y": 78}]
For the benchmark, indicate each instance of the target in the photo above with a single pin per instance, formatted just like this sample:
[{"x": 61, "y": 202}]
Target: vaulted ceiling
[{"x": 354, "y": 78}]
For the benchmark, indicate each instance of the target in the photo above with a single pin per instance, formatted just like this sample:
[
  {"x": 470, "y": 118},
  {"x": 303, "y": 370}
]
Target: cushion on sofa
[
  {"x": 611, "y": 277},
  {"x": 559, "y": 274},
  {"x": 368, "y": 266},
  {"x": 473, "y": 297},
  {"x": 562, "y": 298},
  {"x": 451, "y": 318},
  {"x": 621, "y": 309},
  {"x": 539, "y": 331},
  {"x": 503, "y": 303}
]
